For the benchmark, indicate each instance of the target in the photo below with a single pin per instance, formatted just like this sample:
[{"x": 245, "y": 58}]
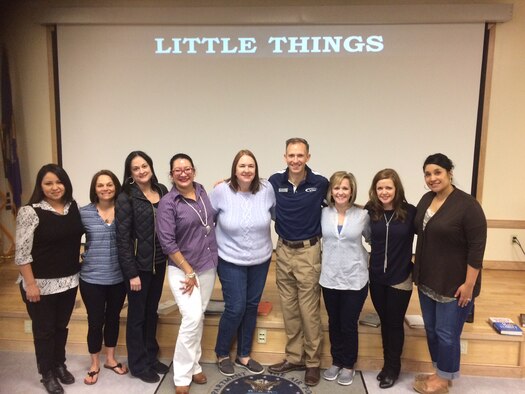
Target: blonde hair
[{"x": 336, "y": 179}]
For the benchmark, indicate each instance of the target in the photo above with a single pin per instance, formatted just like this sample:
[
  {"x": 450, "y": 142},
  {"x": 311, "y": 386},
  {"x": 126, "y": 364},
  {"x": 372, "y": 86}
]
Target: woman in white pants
[{"x": 186, "y": 233}]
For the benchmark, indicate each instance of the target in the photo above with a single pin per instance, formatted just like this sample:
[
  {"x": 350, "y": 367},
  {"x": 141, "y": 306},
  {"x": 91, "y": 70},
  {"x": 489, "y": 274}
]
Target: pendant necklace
[
  {"x": 204, "y": 221},
  {"x": 386, "y": 239}
]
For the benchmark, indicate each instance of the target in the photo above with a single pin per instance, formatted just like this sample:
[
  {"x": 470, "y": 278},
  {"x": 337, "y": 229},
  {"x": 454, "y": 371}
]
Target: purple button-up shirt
[{"x": 180, "y": 228}]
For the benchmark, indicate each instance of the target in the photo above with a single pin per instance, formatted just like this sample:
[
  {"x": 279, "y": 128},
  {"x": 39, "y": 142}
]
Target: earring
[{"x": 131, "y": 181}]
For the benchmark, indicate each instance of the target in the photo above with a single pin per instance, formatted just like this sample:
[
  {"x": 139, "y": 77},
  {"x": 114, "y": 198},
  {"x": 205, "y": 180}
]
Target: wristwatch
[{"x": 191, "y": 275}]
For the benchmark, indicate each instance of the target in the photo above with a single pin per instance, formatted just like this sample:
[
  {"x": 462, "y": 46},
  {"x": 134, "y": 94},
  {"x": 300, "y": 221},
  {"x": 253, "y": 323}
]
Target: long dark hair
[
  {"x": 255, "y": 185},
  {"x": 128, "y": 179},
  {"x": 38, "y": 194},
  {"x": 399, "y": 202},
  {"x": 93, "y": 188}
]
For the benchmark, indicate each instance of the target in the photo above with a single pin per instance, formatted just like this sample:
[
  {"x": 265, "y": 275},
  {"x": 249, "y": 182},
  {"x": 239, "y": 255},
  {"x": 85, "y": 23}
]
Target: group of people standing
[{"x": 133, "y": 230}]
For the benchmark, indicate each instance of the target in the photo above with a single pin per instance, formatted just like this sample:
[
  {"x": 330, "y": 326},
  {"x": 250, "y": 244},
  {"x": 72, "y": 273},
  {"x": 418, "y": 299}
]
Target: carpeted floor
[{"x": 18, "y": 375}]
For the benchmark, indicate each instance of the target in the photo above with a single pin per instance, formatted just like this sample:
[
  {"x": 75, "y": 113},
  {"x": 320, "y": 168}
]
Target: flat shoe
[
  {"x": 94, "y": 377},
  {"x": 119, "y": 366},
  {"x": 199, "y": 378},
  {"x": 421, "y": 387},
  {"x": 423, "y": 377}
]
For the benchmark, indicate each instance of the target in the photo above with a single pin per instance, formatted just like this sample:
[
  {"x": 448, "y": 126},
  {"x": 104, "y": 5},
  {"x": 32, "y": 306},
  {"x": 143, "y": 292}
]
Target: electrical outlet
[
  {"x": 28, "y": 327},
  {"x": 464, "y": 346},
  {"x": 261, "y": 335}
]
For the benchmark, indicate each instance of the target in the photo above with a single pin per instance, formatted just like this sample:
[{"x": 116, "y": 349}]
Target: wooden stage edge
[{"x": 485, "y": 352}]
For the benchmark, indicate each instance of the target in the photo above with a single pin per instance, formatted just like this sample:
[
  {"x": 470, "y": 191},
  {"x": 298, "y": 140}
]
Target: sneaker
[
  {"x": 226, "y": 367},
  {"x": 346, "y": 377},
  {"x": 332, "y": 373},
  {"x": 252, "y": 366}
]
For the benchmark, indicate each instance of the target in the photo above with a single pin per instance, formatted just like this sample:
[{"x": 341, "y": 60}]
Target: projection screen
[{"x": 366, "y": 97}]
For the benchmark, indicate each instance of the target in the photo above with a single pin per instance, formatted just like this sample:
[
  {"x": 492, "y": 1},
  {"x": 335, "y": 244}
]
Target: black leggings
[{"x": 103, "y": 304}]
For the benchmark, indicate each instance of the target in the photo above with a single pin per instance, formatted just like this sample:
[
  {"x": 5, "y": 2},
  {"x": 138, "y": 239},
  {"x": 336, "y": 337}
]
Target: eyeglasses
[{"x": 179, "y": 171}]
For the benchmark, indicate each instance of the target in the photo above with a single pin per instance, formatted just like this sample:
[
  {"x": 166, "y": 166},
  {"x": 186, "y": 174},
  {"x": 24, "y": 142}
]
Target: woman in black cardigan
[{"x": 452, "y": 233}]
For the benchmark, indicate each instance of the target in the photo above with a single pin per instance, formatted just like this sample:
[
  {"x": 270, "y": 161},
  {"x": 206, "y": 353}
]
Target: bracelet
[
  {"x": 182, "y": 262},
  {"x": 191, "y": 275}
]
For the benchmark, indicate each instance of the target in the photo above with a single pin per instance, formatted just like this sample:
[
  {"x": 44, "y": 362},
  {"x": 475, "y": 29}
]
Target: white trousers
[{"x": 191, "y": 307}]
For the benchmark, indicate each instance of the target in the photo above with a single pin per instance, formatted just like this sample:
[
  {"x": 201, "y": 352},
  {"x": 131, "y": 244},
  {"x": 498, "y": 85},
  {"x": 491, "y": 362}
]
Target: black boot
[
  {"x": 51, "y": 383},
  {"x": 64, "y": 375}
]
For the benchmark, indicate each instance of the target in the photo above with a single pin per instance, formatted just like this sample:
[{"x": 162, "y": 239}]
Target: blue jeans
[
  {"x": 443, "y": 325},
  {"x": 242, "y": 288}
]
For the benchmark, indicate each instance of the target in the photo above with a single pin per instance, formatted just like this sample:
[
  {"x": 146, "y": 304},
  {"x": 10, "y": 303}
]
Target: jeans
[
  {"x": 391, "y": 305},
  {"x": 443, "y": 325},
  {"x": 242, "y": 288},
  {"x": 50, "y": 318},
  {"x": 188, "y": 348},
  {"x": 103, "y": 304},
  {"x": 141, "y": 327},
  {"x": 344, "y": 308}
]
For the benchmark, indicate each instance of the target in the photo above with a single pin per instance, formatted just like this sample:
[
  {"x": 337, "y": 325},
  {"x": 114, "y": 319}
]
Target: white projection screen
[{"x": 366, "y": 97}]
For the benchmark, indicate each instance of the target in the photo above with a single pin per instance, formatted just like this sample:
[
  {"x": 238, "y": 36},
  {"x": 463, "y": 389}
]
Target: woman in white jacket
[{"x": 344, "y": 273}]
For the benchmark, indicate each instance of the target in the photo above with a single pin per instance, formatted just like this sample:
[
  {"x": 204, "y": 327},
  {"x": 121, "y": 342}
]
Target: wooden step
[{"x": 487, "y": 353}]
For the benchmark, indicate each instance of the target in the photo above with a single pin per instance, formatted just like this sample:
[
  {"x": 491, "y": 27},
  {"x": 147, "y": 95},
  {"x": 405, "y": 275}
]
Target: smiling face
[
  {"x": 53, "y": 188},
  {"x": 296, "y": 157},
  {"x": 386, "y": 192},
  {"x": 140, "y": 171},
  {"x": 105, "y": 189},
  {"x": 182, "y": 174},
  {"x": 245, "y": 171},
  {"x": 342, "y": 193},
  {"x": 438, "y": 179}
]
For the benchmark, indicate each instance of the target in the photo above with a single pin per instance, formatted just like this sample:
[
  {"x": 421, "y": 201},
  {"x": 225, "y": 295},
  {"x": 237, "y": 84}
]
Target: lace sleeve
[{"x": 26, "y": 223}]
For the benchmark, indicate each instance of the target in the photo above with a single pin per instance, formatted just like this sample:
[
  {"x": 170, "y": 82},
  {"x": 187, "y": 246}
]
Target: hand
[
  {"x": 464, "y": 295},
  {"x": 32, "y": 292},
  {"x": 135, "y": 284},
  {"x": 188, "y": 284}
]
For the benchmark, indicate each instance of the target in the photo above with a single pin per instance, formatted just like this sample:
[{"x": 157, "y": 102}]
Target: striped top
[{"x": 100, "y": 258}]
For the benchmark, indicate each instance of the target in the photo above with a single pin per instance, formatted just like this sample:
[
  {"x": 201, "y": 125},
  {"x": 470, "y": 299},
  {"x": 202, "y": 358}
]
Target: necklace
[
  {"x": 386, "y": 238},
  {"x": 204, "y": 221},
  {"x": 106, "y": 216}
]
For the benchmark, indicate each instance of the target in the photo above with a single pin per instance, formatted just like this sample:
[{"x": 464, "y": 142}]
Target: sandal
[
  {"x": 118, "y": 366},
  {"x": 93, "y": 375}
]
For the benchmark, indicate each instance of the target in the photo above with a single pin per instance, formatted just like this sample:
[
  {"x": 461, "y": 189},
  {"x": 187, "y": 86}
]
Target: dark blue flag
[{"x": 9, "y": 148}]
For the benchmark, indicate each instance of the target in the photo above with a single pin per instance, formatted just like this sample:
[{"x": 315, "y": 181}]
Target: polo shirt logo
[
  {"x": 310, "y": 189},
  {"x": 283, "y": 190}
]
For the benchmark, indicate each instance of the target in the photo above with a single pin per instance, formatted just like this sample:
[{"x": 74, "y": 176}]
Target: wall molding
[
  {"x": 506, "y": 224},
  {"x": 504, "y": 265}
]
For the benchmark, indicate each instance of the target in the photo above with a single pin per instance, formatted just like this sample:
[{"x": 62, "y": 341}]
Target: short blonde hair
[{"x": 336, "y": 179}]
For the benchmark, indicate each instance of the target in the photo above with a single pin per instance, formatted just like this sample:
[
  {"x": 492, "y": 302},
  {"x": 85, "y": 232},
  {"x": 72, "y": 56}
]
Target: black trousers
[
  {"x": 103, "y": 304},
  {"x": 141, "y": 328},
  {"x": 50, "y": 318},
  {"x": 391, "y": 305},
  {"x": 343, "y": 308}
]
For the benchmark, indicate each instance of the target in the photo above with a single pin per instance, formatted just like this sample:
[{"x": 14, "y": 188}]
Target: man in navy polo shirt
[{"x": 300, "y": 193}]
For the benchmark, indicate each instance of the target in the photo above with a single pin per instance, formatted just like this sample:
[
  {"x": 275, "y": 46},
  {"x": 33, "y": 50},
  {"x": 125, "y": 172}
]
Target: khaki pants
[{"x": 297, "y": 274}]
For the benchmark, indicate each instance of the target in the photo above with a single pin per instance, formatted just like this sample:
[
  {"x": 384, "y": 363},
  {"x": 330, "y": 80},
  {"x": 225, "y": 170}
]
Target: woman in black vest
[{"x": 48, "y": 232}]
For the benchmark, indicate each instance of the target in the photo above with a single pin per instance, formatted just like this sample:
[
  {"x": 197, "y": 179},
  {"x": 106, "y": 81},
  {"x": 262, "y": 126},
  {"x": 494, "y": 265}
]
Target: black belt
[{"x": 300, "y": 244}]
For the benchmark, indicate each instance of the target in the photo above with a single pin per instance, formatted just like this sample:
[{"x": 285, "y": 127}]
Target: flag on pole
[{"x": 8, "y": 137}]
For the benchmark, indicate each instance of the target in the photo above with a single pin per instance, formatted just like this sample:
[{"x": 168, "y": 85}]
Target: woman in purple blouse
[{"x": 185, "y": 227}]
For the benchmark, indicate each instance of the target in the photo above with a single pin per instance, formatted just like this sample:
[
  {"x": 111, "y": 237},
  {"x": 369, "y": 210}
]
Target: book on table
[
  {"x": 505, "y": 326},
  {"x": 370, "y": 319},
  {"x": 415, "y": 321}
]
